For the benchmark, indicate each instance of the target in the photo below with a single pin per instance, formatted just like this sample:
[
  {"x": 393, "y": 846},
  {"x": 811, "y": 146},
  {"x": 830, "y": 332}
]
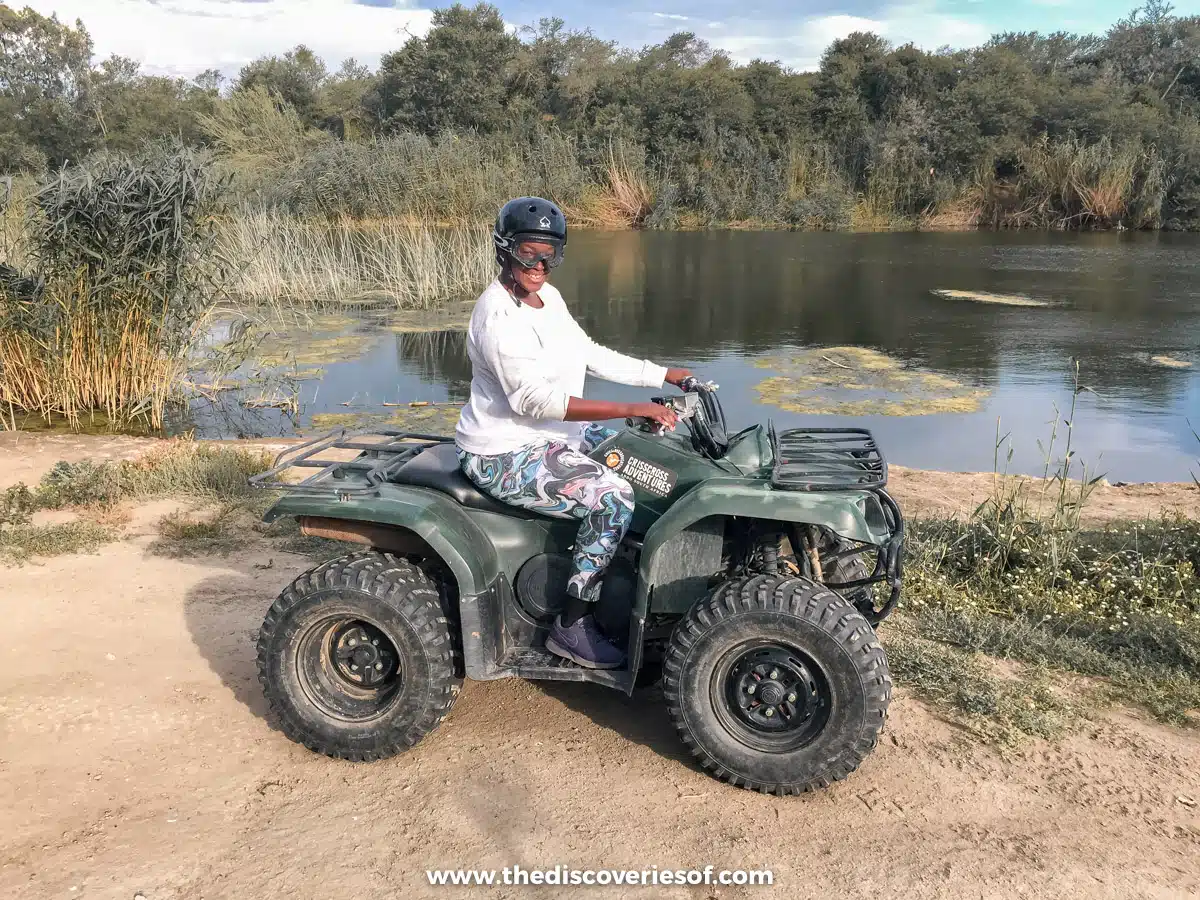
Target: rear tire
[
  {"x": 356, "y": 657},
  {"x": 784, "y": 644}
]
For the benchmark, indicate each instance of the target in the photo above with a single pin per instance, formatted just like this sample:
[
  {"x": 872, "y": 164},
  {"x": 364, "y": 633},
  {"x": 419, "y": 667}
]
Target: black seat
[{"x": 437, "y": 468}]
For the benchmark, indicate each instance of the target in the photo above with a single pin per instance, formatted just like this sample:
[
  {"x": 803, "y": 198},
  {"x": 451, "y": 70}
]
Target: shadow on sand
[{"x": 224, "y": 611}]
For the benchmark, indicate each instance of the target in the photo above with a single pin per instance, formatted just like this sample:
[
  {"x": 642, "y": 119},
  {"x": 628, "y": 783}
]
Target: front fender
[
  {"x": 855, "y": 515},
  {"x": 432, "y": 516}
]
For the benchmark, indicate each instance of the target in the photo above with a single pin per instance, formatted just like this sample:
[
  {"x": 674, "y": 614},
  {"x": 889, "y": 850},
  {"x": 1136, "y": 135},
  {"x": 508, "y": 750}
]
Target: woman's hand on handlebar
[
  {"x": 657, "y": 413},
  {"x": 677, "y": 376}
]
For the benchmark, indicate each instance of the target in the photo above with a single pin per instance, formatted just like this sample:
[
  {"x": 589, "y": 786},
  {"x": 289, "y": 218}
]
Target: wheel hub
[
  {"x": 775, "y": 698},
  {"x": 771, "y": 692},
  {"x": 362, "y": 655}
]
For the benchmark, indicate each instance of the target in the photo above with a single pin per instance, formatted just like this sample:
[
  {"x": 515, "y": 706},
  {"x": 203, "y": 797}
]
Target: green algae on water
[
  {"x": 856, "y": 381},
  {"x": 436, "y": 418},
  {"x": 454, "y": 317}
]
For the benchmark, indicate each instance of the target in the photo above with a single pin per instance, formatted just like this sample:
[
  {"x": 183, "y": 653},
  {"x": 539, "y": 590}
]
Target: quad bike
[{"x": 754, "y": 573}]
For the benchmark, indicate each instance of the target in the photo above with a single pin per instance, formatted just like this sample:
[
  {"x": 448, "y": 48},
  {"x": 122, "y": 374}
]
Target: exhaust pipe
[{"x": 395, "y": 540}]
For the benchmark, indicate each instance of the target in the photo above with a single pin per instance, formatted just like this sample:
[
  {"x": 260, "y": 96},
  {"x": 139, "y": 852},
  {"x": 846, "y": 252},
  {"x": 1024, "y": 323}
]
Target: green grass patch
[
  {"x": 20, "y": 543},
  {"x": 1119, "y": 604},
  {"x": 185, "y": 534},
  {"x": 968, "y": 689},
  {"x": 176, "y": 468},
  {"x": 180, "y": 468}
]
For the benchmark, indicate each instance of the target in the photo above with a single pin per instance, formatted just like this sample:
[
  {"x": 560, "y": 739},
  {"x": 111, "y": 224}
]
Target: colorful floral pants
[{"x": 557, "y": 480}]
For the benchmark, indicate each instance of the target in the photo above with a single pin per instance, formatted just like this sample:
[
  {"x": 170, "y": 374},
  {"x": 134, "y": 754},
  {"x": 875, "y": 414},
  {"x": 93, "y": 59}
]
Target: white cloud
[
  {"x": 801, "y": 44},
  {"x": 674, "y": 16},
  {"x": 185, "y": 37}
]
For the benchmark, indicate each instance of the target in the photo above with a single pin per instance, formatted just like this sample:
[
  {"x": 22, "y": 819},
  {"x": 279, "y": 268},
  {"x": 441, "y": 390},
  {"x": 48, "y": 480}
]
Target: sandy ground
[{"x": 136, "y": 760}]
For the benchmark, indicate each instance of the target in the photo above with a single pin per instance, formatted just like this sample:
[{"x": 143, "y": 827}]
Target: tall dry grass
[
  {"x": 90, "y": 361},
  {"x": 622, "y": 198},
  {"x": 1069, "y": 183},
  {"x": 283, "y": 260},
  {"x": 806, "y": 184},
  {"x": 118, "y": 274},
  {"x": 15, "y": 246}
]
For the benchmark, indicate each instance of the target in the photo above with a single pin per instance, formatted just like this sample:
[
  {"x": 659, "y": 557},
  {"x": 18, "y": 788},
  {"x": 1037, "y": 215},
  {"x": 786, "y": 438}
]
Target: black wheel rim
[
  {"x": 770, "y": 696},
  {"x": 349, "y": 668}
]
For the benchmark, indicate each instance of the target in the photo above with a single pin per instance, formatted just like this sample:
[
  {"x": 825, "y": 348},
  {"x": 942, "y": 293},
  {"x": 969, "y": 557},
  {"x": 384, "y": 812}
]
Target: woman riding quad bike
[
  {"x": 749, "y": 569},
  {"x": 524, "y": 435}
]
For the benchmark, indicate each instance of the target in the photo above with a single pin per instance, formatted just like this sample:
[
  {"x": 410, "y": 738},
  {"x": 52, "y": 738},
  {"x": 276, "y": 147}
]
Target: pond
[{"x": 927, "y": 339}]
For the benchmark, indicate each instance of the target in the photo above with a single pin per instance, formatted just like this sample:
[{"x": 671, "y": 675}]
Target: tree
[
  {"x": 296, "y": 78},
  {"x": 559, "y": 71},
  {"x": 45, "y": 85},
  {"x": 458, "y": 76},
  {"x": 132, "y": 108},
  {"x": 782, "y": 100},
  {"x": 340, "y": 100}
]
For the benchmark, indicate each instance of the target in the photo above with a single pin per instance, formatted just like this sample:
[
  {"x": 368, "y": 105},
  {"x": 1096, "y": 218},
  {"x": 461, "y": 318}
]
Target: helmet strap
[
  {"x": 518, "y": 293},
  {"x": 510, "y": 283}
]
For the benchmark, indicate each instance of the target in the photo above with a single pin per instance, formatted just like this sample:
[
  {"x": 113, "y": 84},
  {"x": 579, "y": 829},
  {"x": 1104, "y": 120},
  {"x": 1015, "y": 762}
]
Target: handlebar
[{"x": 699, "y": 407}]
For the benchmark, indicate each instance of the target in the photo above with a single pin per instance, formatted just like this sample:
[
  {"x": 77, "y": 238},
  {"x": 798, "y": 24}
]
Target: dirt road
[{"x": 135, "y": 759}]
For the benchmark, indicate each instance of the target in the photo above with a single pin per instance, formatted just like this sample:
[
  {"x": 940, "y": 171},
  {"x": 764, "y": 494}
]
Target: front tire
[
  {"x": 356, "y": 657},
  {"x": 777, "y": 684}
]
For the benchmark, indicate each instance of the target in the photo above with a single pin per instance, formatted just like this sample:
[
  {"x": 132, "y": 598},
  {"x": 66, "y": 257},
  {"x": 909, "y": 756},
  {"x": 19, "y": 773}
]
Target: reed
[
  {"x": 121, "y": 275},
  {"x": 1069, "y": 183},
  {"x": 90, "y": 361},
  {"x": 282, "y": 260}
]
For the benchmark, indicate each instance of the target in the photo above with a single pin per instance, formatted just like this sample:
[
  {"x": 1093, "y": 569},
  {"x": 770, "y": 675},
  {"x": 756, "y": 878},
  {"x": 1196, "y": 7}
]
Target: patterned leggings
[{"x": 557, "y": 480}]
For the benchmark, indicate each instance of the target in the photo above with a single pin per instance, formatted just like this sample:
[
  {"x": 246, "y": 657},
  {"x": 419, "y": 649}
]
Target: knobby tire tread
[
  {"x": 406, "y": 589},
  {"x": 817, "y": 605}
]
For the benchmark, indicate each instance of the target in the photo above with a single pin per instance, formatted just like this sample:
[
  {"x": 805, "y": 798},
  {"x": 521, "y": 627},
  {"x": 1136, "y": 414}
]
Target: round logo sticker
[{"x": 614, "y": 459}]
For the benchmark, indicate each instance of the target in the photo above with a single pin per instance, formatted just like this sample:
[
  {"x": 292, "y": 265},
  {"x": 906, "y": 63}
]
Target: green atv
[{"x": 754, "y": 573}]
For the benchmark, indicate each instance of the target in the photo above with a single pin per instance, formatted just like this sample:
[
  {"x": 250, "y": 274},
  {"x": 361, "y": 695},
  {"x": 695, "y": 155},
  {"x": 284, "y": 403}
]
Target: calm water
[{"x": 716, "y": 302}]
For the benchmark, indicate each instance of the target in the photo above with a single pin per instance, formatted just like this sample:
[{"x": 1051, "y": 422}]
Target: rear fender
[
  {"x": 855, "y": 515},
  {"x": 435, "y": 518}
]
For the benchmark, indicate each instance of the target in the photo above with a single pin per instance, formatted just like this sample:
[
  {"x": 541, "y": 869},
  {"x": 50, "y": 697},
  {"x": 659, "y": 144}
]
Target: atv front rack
[
  {"x": 827, "y": 459},
  {"x": 370, "y": 463}
]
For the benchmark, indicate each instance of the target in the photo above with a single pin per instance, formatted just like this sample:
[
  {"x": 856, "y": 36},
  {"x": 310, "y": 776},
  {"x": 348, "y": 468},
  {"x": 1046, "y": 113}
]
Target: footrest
[
  {"x": 536, "y": 658},
  {"x": 539, "y": 663}
]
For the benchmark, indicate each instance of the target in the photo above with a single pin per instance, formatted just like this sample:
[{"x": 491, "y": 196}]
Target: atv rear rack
[
  {"x": 827, "y": 459},
  {"x": 375, "y": 463}
]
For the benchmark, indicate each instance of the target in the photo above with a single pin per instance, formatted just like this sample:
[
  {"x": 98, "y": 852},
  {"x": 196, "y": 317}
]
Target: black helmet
[{"x": 529, "y": 219}]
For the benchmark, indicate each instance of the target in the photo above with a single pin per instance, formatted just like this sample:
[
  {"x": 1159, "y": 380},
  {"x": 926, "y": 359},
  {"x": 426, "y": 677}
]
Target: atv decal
[
  {"x": 647, "y": 476},
  {"x": 614, "y": 458}
]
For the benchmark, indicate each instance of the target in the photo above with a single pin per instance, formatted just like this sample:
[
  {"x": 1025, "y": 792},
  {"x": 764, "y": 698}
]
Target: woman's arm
[
  {"x": 518, "y": 369},
  {"x": 613, "y": 366},
  {"x": 581, "y": 410}
]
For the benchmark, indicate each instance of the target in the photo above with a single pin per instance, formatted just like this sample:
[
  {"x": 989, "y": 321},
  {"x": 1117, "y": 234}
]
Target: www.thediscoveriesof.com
[{"x": 563, "y": 875}]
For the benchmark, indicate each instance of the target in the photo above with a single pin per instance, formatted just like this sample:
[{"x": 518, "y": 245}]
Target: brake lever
[{"x": 685, "y": 406}]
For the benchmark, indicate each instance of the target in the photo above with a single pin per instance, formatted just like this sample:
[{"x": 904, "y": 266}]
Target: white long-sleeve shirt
[{"x": 525, "y": 364}]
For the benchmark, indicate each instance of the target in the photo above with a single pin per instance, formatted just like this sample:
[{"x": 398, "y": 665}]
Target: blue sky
[{"x": 184, "y": 37}]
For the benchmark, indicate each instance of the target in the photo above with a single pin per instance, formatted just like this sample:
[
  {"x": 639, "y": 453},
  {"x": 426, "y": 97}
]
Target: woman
[{"x": 524, "y": 434}]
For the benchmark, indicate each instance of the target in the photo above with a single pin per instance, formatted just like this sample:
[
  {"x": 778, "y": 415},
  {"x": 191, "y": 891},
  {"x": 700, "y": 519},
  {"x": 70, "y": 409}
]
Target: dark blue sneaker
[{"x": 584, "y": 644}]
